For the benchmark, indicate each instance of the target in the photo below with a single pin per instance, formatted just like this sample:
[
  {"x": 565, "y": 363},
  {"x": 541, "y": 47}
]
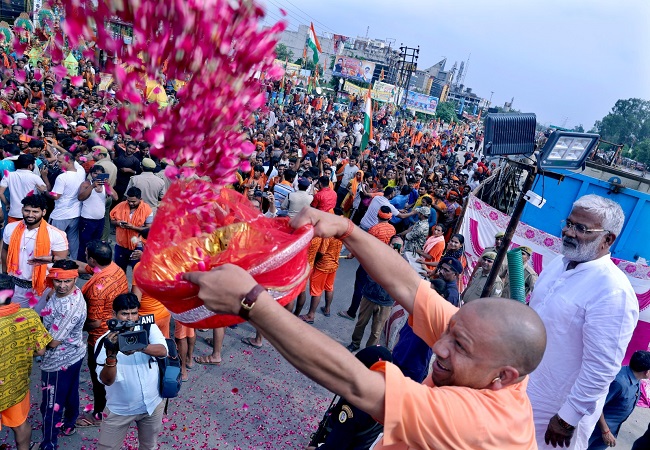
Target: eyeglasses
[
  {"x": 487, "y": 259},
  {"x": 580, "y": 228}
]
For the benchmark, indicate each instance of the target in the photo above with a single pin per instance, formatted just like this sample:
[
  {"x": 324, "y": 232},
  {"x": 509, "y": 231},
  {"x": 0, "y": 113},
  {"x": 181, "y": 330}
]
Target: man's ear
[{"x": 507, "y": 375}]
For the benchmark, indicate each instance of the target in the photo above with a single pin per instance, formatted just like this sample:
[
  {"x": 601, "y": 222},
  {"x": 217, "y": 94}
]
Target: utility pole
[{"x": 407, "y": 64}]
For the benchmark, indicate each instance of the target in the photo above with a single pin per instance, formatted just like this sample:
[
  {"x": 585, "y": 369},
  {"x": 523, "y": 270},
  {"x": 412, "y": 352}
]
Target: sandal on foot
[
  {"x": 322, "y": 309},
  {"x": 305, "y": 319},
  {"x": 68, "y": 431},
  {"x": 87, "y": 422},
  {"x": 205, "y": 360},
  {"x": 345, "y": 315},
  {"x": 249, "y": 341}
]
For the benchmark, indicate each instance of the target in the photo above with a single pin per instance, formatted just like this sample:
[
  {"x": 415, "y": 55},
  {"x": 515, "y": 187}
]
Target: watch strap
[{"x": 248, "y": 302}]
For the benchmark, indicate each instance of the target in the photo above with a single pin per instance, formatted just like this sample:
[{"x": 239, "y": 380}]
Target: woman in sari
[
  {"x": 455, "y": 249},
  {"x": 434, "y": 245}
]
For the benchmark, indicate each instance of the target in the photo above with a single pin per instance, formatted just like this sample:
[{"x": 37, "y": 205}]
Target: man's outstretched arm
[{"x": 313, "y": 353}]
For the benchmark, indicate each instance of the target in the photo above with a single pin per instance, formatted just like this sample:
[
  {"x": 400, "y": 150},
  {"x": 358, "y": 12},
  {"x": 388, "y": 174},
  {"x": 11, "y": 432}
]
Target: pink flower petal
[
  {"x": 77, "y": 81},
  {"x": 20, "y": 76},
  {"x": 60, "y": 71},
  {"x": 5, "y": 294}
]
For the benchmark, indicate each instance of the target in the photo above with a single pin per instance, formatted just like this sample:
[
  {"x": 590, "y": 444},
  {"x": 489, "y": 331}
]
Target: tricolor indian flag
[
  {"x": 367, "y": 122},
  {"x": 312, "y": 42}
]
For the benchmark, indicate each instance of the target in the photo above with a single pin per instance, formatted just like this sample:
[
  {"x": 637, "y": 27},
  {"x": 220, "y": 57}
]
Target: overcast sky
[{"x": 568, "y": 61}]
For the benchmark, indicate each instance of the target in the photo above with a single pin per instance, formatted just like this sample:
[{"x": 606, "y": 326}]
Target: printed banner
[
  {"x": 339, "y": 43},
  {"x": 481, "y": 222},
  {"x": 290, "y": 70},
  {"x": 353, "y": 69},
  {"x": 381, "y": 96},
  {"x": 105, "y": 80},
  {"x": 421, "y": 103}
]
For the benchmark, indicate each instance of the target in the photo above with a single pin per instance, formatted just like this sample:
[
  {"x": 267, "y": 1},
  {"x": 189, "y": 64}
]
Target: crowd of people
[{"x": 393, "y": 203}]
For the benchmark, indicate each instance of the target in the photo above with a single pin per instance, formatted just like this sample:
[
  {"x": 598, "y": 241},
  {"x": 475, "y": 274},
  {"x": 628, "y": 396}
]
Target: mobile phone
[{"x": 102, "y": 177}]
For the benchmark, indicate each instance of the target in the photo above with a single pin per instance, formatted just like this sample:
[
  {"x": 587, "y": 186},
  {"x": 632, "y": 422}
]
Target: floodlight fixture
[
  {"x": 567, "y": 150},
  {"x": 509, "y": 134}
]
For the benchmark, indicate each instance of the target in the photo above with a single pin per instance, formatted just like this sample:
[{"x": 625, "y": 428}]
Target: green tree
[
  {"x": 579, "y": 128},
  {"x": 628, "y": 122},
  {"x": 446, "y": 111},
  {"x": 641, "y": 151},
  {"x": 283, "y": 53}
]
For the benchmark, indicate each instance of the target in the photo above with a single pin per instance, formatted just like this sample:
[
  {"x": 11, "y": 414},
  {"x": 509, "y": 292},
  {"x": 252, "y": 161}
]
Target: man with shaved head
[{"x": 476, "y": 395}]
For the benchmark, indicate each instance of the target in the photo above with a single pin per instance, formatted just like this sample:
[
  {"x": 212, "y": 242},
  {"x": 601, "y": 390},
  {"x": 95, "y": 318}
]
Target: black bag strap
[{"x": 98, "y": 349}]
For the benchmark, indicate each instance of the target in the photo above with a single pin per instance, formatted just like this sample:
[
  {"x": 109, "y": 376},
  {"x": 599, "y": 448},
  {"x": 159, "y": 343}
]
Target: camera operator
[{"x": 131, "y": 380}]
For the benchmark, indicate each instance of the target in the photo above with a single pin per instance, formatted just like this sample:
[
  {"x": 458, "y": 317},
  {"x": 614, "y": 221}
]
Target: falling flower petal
[
  {"x": 5, "y": 294},
  {"x": 60, "y": 71}
]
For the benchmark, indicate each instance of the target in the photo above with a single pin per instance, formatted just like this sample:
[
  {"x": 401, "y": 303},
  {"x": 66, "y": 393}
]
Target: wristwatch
[
  {"x": 564, "y": 424},
  {"x": 249, "y": 300}
]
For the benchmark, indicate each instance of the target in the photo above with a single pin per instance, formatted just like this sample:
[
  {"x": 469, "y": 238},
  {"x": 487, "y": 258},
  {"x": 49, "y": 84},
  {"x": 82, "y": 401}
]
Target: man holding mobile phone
[{"x": 92, "y": 195}]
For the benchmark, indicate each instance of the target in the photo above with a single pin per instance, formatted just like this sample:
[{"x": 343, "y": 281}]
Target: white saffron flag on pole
[{"x": 312, "y": 42}]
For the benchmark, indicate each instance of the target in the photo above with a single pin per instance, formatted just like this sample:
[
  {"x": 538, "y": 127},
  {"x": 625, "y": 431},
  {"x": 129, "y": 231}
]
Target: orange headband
[
  {"x": 385, "y": 216},
  {"x": 60, "y": 274}
]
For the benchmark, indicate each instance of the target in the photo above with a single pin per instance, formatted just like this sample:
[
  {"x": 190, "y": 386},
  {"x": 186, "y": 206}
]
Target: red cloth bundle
[{"x": 198, "y": 227}]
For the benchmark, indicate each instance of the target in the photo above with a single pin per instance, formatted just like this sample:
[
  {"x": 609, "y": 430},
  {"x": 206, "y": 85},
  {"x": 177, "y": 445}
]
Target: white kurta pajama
[{"x": 590, "y": 313}]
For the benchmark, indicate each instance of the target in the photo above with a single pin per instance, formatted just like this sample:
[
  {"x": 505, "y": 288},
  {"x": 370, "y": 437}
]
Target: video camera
[{"x": 129, "y": 340}]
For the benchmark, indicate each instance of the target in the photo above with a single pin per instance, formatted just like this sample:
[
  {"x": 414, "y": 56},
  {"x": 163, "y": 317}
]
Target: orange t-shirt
[
  {"x": 383, "y": 231},
  {"x": 149, "y": 305},
  {"x": 330, "y": 249},
  {"x": 425, "y": 416},
  {"x": 102, "y": 289}
]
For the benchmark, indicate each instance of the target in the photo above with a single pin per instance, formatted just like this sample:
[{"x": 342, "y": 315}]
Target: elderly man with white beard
[{"x": 590, "y": 311}]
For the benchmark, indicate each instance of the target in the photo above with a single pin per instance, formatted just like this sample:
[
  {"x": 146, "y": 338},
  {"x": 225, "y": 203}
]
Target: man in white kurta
[{"x": 590, "y": 311}]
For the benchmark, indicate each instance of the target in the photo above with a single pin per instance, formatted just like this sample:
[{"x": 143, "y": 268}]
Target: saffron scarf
[
  {"x": 431, "y": 242},
  {"x": 122, "y": 213},
  {"x": 41, "y": 248}
]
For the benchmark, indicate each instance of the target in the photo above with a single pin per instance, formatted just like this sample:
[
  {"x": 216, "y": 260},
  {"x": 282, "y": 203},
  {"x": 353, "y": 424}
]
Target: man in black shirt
[
  {"x": 346, "y": 427},
  {"x": 128, "y": 165}
]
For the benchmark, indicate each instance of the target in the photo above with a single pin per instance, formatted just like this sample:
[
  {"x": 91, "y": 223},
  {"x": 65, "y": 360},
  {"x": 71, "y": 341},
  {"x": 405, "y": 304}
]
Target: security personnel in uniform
[
  {"x": 346, "y": 427},
  {"x": 530, "y": 276}
]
